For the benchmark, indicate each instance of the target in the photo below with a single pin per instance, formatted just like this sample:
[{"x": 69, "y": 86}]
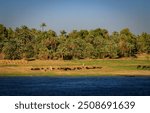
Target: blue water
[{"x": 75, "y": 86}]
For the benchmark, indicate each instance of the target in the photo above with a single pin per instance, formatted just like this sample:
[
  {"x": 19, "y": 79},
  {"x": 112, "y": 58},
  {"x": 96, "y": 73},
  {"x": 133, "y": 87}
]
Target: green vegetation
[{"x": 26, "y": 43}]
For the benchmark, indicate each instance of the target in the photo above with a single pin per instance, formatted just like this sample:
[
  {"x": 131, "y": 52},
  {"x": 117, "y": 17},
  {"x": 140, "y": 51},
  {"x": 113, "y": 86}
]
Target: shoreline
[{"x": 71, "y": 75}]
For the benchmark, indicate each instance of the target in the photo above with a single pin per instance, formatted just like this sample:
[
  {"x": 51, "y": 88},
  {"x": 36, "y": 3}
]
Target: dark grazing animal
[{"x": 138, "y": 67}]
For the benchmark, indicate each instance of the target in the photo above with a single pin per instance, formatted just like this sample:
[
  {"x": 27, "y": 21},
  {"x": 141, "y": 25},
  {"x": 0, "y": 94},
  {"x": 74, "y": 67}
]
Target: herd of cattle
[
  {"x": 140, "y": 67},
  {"x": 66, "y": 68},
  {"x": 143, "y": 67}
]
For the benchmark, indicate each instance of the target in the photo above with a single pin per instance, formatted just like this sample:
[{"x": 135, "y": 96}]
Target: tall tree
[
  {"x": 144, "y": 43},
  {"x": 3, "y": 36},
  {"x": 43, "y": 25},
  {"x": 11, "y": 50},
  {"x": 63, "y": 33}
]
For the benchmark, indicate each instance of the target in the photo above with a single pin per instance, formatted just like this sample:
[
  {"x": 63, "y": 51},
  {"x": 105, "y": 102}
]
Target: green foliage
[
  {"x": 11, "y": 50},
  {"x": 43, "y": 53},
  {"x": 3, "y": 36},
  {"x": 26, "y": 43},
  {"x": 144, "y": 43}
]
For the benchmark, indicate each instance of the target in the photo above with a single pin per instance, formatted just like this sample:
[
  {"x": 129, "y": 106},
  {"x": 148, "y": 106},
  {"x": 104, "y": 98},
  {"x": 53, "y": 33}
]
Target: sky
[{"x": 69, "y": 15}]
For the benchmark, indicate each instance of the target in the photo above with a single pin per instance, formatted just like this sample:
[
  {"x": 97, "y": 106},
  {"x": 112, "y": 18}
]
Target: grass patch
[{"x": 9, "y": 65}]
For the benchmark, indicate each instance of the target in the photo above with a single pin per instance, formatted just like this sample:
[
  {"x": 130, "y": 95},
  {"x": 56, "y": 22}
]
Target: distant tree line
[{"x": 26, "y": 43}]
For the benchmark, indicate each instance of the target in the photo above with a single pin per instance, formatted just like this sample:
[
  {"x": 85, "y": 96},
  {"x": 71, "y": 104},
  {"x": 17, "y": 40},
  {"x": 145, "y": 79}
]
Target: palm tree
[
  {"x": 63, "y": 33},
  {"x": 42, "y": 26}
]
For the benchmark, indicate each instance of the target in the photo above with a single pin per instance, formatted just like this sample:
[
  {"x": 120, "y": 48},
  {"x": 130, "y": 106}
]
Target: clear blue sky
[{"x": 77, "y": 14}]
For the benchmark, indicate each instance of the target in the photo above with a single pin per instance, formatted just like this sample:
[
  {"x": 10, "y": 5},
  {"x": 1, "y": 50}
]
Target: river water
[{"x": 75, "y": 86}]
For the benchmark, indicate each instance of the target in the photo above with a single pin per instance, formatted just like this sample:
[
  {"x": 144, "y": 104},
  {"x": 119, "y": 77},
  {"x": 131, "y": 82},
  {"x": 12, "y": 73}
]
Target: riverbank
[{"x": 51, "y": 67}]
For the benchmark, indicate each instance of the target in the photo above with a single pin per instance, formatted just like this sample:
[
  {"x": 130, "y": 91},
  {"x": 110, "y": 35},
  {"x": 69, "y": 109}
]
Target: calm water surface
[{"x": 75, "y": 86}]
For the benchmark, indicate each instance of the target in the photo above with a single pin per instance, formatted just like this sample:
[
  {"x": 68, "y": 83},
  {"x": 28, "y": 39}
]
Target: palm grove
[{"x": 26, "y": 43}]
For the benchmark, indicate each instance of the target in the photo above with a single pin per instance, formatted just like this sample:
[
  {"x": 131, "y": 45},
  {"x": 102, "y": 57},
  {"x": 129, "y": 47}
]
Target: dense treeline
[{"x": 26, "y": 43}]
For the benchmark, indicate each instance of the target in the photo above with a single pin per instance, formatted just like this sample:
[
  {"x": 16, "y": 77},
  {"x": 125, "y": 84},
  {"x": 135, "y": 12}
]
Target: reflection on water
[{"x": 75, "y": 86}]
